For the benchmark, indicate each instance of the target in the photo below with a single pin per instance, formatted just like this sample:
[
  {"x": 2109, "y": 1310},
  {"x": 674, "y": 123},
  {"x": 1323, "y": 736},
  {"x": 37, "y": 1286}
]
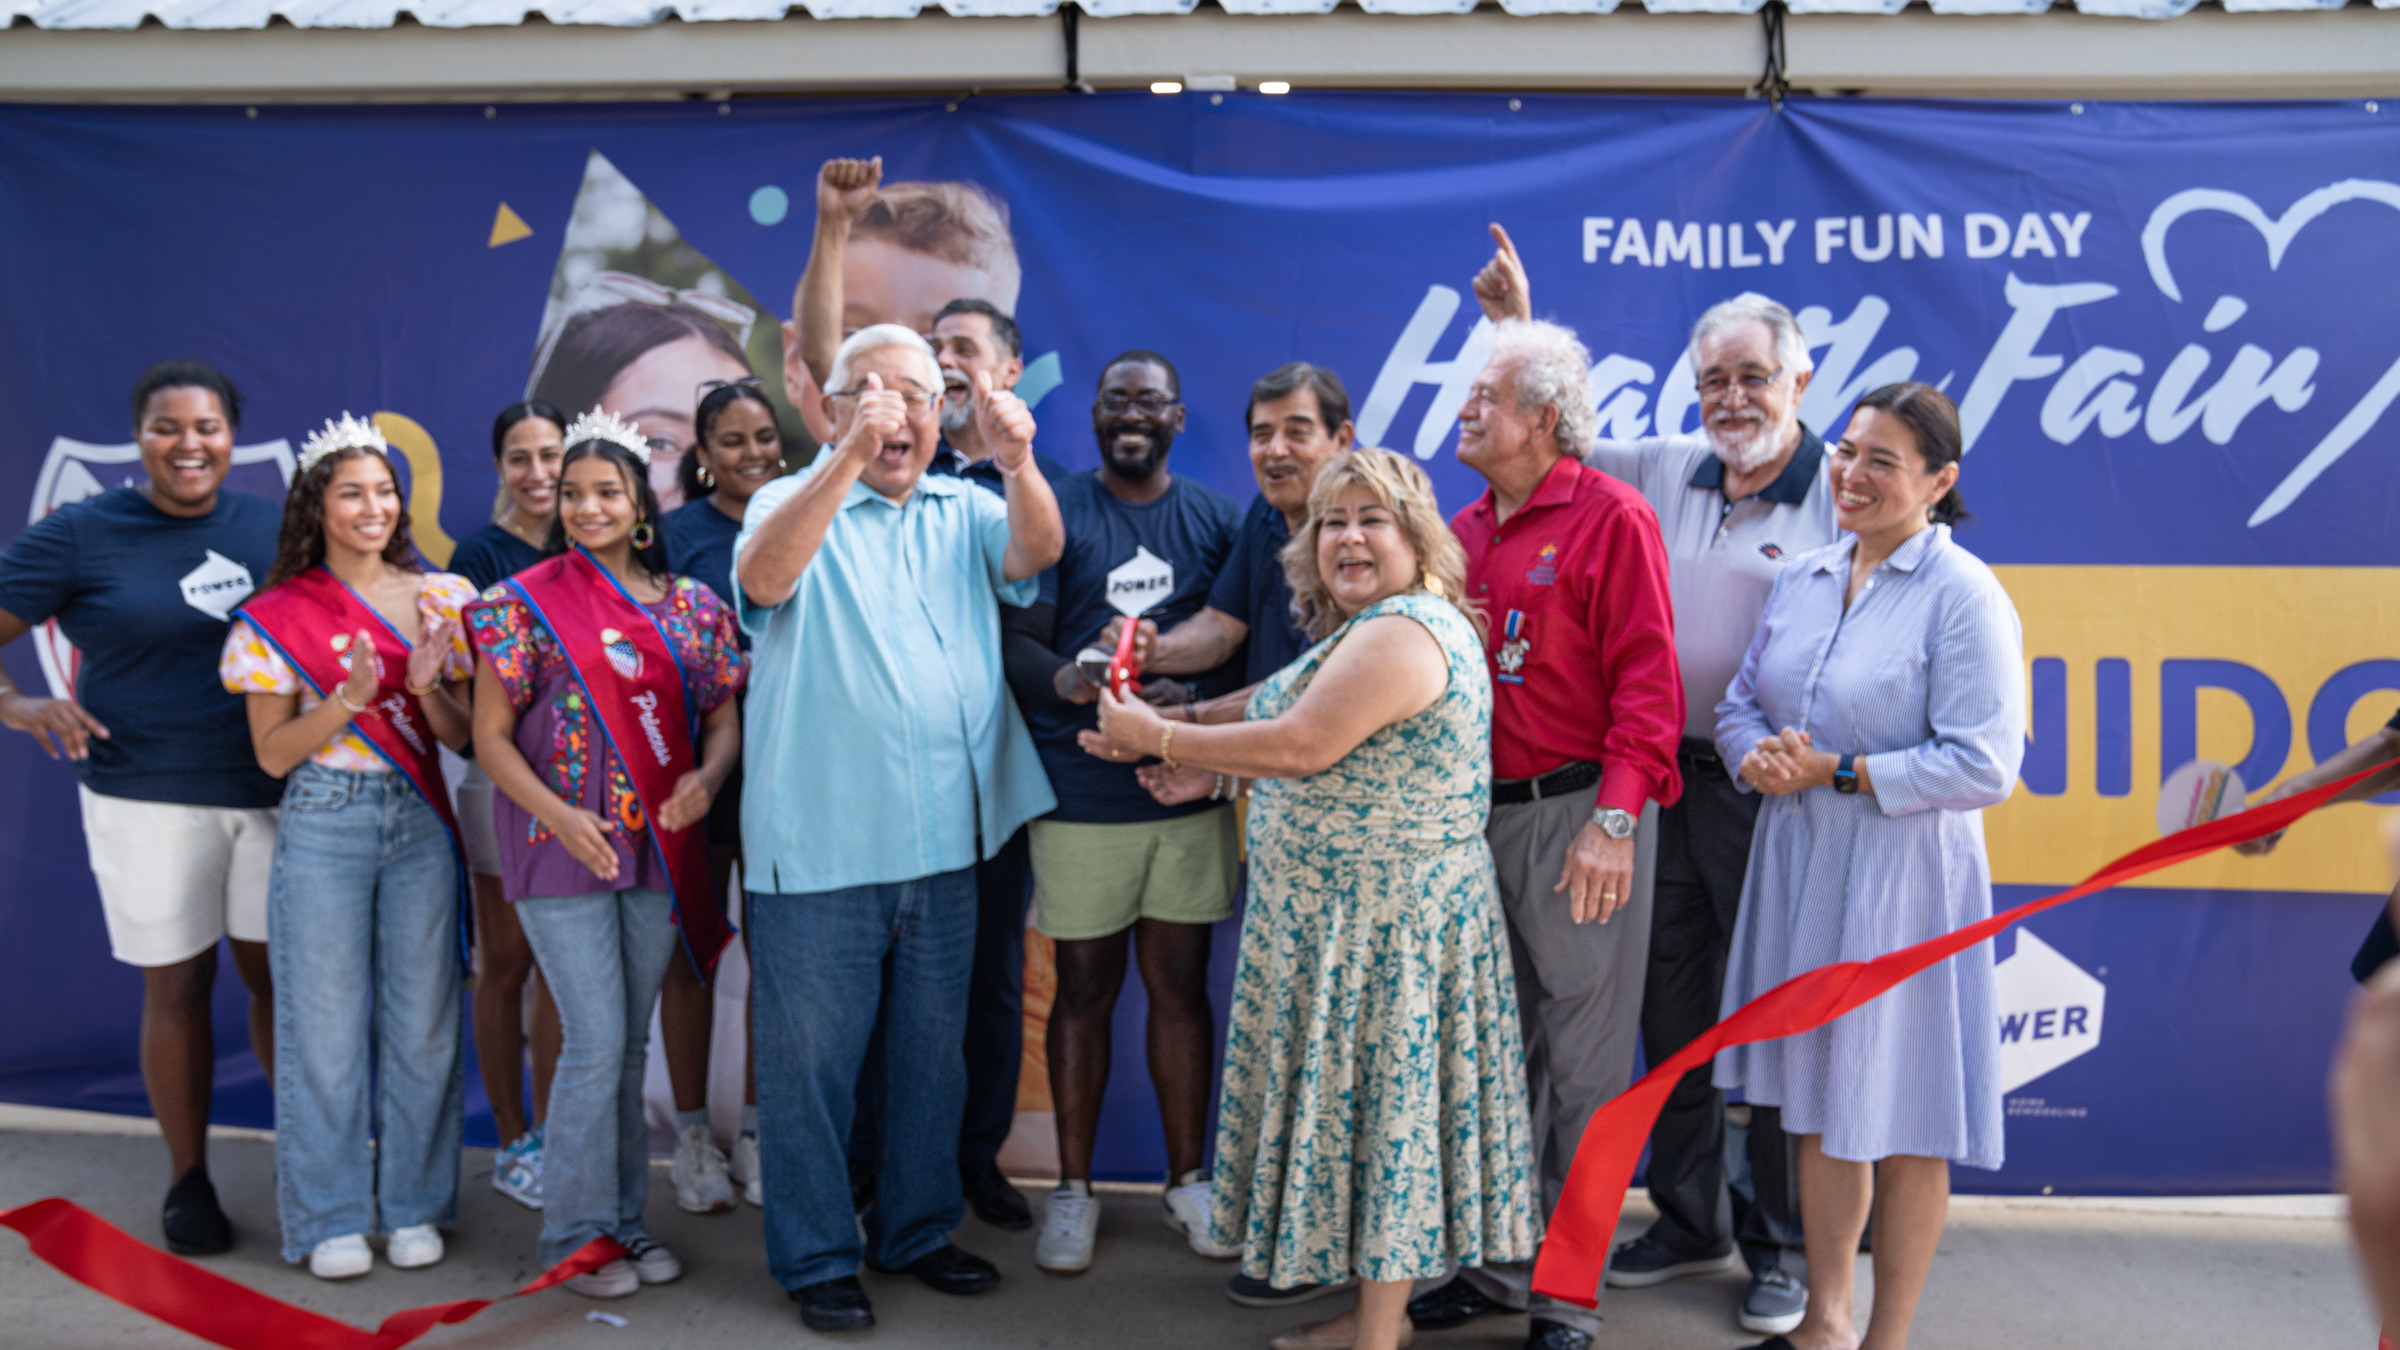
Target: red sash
[
  {"x": 312, "y": 621},
  {"x": 629, "y": 673}
]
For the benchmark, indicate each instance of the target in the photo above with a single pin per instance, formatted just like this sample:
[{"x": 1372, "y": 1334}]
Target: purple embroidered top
[{"x": 557, "y": 735}]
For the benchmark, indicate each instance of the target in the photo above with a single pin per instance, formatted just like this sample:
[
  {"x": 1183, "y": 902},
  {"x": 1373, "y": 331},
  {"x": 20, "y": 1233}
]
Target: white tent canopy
[{"x": 501, "y": 51}]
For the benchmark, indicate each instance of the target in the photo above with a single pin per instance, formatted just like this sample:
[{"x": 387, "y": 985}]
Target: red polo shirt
[{"x": 1582, "y": 644}]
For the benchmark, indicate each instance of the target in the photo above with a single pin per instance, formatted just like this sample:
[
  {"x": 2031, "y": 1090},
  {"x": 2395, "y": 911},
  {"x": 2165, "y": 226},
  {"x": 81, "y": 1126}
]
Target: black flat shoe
[
  {"x": 1453, "y": 1305},
  {"x": 993, "y": 1199},
  {"x": 1546, "y": 1335},
  {"x": 835, "y": 1305},
  {"x": 1773, "y": 1343},
  {"x": 194, "y": 1224},
  {"x": 949, "y": 1269}
]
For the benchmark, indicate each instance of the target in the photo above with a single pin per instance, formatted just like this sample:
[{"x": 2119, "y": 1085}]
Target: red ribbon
[
  {"x": 1575, "y": 1251},
  {"x": 96, "y": 1253}
]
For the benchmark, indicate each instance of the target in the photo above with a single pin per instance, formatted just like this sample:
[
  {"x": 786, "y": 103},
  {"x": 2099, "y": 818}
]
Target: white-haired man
[
  {"x": 1734, "y": 502},
  {"x": 1586, "y": 711},
  {"x": 886, "y": 759}
]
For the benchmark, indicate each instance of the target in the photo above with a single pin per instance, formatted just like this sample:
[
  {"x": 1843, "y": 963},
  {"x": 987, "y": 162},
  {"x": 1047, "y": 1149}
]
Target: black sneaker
[
  {"x": 1646, "y": 1261},
  {"x": 194, "y": 1224},
  {"x": 994, "y": 1200},
  {"x": 1452, "y": 1305},
  {"x": 838, "y": 1304},
  {"x": 1252, "y": 1293}
]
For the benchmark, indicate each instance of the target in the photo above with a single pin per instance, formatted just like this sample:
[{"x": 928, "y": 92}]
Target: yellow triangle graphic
[{"x": 508, "y": 227}]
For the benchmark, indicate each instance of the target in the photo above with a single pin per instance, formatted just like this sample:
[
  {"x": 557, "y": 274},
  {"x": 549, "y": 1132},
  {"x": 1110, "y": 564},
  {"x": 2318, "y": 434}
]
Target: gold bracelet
[
  {"x": 1166, "y": 744},
  {"x": 426, "y": 692}
]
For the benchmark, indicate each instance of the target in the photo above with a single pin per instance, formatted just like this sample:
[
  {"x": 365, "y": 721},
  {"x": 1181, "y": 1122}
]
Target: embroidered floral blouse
[
  {"x": 249, "y": 666},
  {"x": 557, "y": 735}
]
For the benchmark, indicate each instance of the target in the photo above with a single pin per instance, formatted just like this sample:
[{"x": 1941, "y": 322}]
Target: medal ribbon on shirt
[
  {"x": 1511, "y": 657},
  {"x": 312, "y": 621},
  {"x": 629, "y": 674}
]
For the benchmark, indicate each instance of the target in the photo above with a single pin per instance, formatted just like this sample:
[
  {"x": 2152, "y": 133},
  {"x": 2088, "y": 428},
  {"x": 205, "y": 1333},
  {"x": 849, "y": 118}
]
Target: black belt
[
  {"x": 1556, "y": 783},
  {"x": 1695, "y": 748}
]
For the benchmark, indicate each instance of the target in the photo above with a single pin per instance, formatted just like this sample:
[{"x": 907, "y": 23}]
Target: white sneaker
[
  {"x": 743, "y": 1168},
  {"x": 614, "y": 1280},
  {"x": 1070, "y": 1227},
  {"x": 341, "y": 1258},
  {"x": 414, "y": 1246},
  {"x": 1186, "y": 1211},
  {"x": 701, "y": 1186},
  {"x": 652, "y": 1262}
]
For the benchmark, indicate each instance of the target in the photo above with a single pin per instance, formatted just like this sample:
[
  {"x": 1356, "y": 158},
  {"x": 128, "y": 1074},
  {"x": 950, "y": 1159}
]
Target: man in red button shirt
[{"x": 1587, "y": 711}]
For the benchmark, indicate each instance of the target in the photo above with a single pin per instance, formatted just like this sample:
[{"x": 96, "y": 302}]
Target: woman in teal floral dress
[{"x": 1373, "y": 1116}]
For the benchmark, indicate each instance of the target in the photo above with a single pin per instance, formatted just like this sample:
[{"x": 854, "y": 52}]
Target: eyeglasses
[
  {"x": 707, "y": 387},
  {"x": 916, "y": 399},
  {"x": 1717, "y": 386},
  {"x": 1151, "y": 404},
  {"x": 607, "y": 290}
]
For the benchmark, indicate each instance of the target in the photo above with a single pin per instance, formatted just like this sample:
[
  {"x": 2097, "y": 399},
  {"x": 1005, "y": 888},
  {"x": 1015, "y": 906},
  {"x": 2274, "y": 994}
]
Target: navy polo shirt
[{"x": 1252, "y": 588}]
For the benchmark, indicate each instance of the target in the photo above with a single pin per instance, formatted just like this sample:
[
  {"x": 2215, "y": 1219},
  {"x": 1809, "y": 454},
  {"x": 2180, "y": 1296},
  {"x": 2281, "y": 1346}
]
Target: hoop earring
[
  {"x": 643, "y": 535},
  {"x": 707, "y": 479}
]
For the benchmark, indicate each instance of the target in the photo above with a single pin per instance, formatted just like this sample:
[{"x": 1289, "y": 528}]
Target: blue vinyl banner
[{"x": 2164, "y": 325}]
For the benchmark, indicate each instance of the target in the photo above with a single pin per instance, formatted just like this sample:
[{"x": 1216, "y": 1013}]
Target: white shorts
[
  {"x": 175, "y": 878},
  {"x": 473, "y": 803}
]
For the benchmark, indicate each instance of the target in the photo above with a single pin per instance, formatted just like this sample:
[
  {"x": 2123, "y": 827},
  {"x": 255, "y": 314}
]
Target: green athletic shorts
[{"x": 1094, "y": 880}]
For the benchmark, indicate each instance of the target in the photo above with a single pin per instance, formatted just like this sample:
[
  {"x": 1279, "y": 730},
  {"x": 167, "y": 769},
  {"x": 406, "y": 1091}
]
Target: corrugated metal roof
[{"x": 637, "y": 13}]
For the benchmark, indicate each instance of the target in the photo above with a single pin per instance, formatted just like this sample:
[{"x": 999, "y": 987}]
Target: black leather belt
[
  {"x": 1695, "y": 748},
  {"x": 1556, "y": 783}
]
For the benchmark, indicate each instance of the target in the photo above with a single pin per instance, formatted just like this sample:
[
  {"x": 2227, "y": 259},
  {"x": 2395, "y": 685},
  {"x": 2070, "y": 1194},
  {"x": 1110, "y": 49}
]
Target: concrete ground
[{"x": 2089, "y": 1274}]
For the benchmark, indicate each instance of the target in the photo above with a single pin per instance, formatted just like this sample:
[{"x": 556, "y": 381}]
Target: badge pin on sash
[
  {"x": 340, "y": 642},
  {"x": 622, "y": 658}
]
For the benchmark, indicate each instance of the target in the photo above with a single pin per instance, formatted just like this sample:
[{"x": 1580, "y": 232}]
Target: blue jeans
[
  {"x": 603, "y": 956},
  {"x": 362, "y": 934},
  {"x": 824, "y": 966}
]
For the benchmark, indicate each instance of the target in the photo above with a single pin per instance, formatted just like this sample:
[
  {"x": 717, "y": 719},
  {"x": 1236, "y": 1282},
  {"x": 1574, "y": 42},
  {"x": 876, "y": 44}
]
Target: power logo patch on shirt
[
  {"x": 1140, "y": 582},
  {"x": 216, "y": 586}
]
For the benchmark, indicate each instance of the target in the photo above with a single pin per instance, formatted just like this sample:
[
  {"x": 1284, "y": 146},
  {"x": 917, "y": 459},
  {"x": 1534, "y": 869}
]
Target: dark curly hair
[
  {"x": 184, "y": 373},
  {"x": 652, "y": 559},
  {"x": 301, "y": 545}
]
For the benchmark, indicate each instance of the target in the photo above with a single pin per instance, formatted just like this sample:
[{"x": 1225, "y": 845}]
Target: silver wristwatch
[{"x": 1614, "y": 823}]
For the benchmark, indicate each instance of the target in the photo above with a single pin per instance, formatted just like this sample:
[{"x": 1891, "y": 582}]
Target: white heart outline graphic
[{"x": 2279, "y": 234}]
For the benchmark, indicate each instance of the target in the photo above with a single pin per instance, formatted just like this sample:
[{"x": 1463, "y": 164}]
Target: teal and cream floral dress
[{"x": 1373, "y": 1115}]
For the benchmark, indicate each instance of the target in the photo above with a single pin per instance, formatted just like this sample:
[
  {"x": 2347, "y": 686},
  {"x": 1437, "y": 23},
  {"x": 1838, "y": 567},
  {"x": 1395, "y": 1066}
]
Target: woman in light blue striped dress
[{"x": 1882, "y": 702}]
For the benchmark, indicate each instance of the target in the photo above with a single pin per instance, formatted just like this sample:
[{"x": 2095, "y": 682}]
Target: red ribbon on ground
[
  {"x": 96, "y": 1253},
  {"x": 1575, "y": 1251}
]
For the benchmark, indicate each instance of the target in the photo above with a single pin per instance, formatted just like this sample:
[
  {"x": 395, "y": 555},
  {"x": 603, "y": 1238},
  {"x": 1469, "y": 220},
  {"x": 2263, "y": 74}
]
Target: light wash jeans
[
  {"x": 363, "y": 936},
  {"x": 824, "y": 965},
  {"x": 603, "y": 956}
]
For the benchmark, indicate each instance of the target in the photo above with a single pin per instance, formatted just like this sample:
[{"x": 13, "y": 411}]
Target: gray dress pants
[{"x": 1579, "y": 990}]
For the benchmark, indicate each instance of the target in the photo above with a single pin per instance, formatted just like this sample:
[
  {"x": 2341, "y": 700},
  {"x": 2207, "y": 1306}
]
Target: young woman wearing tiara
[
  {"x": 354, "y": 668},
  {"x": 604, "y": 713}
]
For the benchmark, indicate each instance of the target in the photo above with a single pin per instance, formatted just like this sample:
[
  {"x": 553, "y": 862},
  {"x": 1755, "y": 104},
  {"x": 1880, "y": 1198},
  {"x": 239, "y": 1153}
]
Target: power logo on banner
[{"x": 2050, "y": 1014}]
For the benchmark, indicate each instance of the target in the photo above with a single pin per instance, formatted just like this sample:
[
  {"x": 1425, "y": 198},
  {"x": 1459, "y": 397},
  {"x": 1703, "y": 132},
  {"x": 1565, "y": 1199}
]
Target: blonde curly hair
[{"x": 1397, "y": 482}]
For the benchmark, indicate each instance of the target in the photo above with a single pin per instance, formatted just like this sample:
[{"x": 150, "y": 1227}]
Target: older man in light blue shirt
[{"x": 885, "y": 758}]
